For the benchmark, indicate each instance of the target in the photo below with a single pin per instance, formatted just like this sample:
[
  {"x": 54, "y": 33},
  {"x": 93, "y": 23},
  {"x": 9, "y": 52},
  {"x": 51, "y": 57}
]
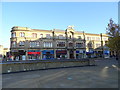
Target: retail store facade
[{"x": 37, "y": 44}]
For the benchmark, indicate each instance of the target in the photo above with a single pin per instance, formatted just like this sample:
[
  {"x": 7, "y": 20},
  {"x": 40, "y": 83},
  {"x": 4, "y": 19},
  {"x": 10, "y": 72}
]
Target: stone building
[
  {"x": 3, "y": 51},
  {"x": 35, "y": 44}
]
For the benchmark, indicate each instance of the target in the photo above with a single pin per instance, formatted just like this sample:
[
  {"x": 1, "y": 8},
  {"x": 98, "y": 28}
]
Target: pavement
[{"x": 103, "y": 75}]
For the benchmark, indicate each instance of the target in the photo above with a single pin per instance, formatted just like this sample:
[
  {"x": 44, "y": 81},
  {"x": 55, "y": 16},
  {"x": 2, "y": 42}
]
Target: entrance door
[
  {"x": 48, "y": 55},
  {"x": 71, "y": 54}
]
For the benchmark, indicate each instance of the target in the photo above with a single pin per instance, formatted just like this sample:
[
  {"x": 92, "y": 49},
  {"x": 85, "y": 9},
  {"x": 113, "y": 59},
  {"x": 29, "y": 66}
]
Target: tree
[{"x": 113, "y": 32}]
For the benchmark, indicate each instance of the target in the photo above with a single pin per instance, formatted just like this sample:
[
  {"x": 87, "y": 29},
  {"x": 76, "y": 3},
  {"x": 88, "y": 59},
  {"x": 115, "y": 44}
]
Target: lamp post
[
  {"x": 66, "y": 35},
  {"x": 53, "y": 33},
  {"x": 84, "y": 42},
  {"x": 26, "y": 49},
  {"x": 102, "y": 45}
]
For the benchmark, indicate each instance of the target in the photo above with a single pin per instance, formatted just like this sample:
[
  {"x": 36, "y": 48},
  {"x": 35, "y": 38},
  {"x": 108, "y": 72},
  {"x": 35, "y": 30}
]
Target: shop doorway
[{"x": 71, "y": 54}]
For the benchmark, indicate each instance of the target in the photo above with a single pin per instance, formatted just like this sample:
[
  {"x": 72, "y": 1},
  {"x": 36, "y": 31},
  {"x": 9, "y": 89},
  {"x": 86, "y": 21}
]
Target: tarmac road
[{"x": 103, "y": 75}]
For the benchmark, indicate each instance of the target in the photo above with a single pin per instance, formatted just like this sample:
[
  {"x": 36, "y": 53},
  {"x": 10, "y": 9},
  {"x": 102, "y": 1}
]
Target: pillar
[
  {"x": 74, "y": 54},
  {"x": 54, "y": 54},
  {"x": 26, "y": 55},
  {"x": 68, "y": 54},
  {"x": 41, "y": 55}
]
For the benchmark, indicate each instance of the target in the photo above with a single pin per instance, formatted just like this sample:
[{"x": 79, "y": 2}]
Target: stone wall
[{"x": 9, "y": 67}]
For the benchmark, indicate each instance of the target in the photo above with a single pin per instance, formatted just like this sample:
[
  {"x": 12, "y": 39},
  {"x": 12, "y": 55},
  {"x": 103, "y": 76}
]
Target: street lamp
[
  {"x": 102, "y": 45},
  {"x": 84, "y": 42},
  {"x": 53, "y": 33}
]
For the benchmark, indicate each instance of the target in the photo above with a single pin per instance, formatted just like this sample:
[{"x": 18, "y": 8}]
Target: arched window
[
  {"x": 13, "y": 34},
  {"x": 22, "y": 34},
  {"x": 41, "y": 35}
]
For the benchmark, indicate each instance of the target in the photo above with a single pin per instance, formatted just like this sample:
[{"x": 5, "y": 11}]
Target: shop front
[
  {"x": 90, "y": 54},
  {"x": 79, "y": 54},
  {"x": 34, "y": 54},
  {"x": 106, "y": 53},
  {"x": 14, "y": 55},
  {"x": 47, "y": 54},
  {"x": 61, "y": 54},
  {"x": 17, "y": 55},
  {"x": 99, "y": 53}
]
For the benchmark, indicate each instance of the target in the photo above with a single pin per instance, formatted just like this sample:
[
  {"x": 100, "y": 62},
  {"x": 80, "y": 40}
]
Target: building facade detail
[{"x": 36, "y": 44}]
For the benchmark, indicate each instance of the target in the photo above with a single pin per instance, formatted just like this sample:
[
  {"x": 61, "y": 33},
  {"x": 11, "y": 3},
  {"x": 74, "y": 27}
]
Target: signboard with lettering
[{"x": 33, "y": 52}]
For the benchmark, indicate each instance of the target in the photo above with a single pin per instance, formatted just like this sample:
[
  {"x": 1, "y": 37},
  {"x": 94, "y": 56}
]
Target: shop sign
[
  {"x": 91, "y": 52},
  {"x": 61, "y": 51},
  {"x": 46, "y": 51},
  {"x": 14, "y": 50},
  {"x": 33, "y": 52},
  {"x": 106, "y": 52}
]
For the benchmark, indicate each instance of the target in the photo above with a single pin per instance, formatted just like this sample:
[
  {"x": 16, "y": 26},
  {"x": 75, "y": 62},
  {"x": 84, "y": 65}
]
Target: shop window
[
  {"x": 21, "y": 43},
  {"x": 34, "y": 35},
  {"x": 22, "y": 34},
  {"x": 61, "y": 44},
  {"x": 13, "y": 34}
]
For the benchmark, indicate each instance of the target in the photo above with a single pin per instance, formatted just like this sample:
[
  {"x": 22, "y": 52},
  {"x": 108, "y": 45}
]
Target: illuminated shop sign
[{"x": 33, "y": 52}]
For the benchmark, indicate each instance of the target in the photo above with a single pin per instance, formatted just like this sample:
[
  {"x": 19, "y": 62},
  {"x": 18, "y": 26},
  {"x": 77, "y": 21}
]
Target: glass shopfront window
[
  {"x": 61, "y": 54},
  {"x": 48, "y": 54},
  {"x": 34, "y": 54}
]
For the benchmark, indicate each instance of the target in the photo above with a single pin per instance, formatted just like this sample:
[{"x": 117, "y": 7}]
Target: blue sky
[{"x": 91, "y": 17}]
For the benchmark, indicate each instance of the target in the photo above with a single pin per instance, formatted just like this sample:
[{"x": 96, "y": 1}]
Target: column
[
  {"x": 26, "y": 48},
  {"x": 68, "y": 54},
  {"x": 74, "y": 54},
  {"x": 54, "y": 54},
  {"x": 41, "y": 55},
  {"x": 26, "y": 55}
]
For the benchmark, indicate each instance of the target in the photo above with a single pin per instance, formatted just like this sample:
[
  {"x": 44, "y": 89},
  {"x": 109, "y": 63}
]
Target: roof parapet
[{"x": 20, "y": 28}]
